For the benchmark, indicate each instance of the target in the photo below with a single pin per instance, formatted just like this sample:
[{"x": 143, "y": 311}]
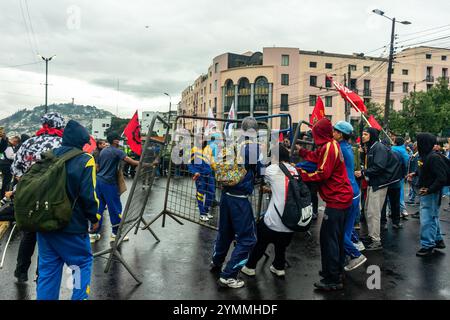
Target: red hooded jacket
[{"x": 335, "y": 188}]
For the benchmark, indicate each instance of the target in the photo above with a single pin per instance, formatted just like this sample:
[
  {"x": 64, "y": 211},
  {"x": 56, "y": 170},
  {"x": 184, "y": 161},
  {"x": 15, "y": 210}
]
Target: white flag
[
  {"x": 211, "y": 123},
  {"x": 231, "y": 116}
]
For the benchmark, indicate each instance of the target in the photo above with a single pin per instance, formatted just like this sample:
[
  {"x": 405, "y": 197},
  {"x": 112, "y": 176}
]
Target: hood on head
[
  {"x": 425, "y": 143},
  {"x": 75, "y": 135},
  {"x": 53, "y": 120},
  {"x": 374, "y": 135},
  {"x": 322, "y": 132}
]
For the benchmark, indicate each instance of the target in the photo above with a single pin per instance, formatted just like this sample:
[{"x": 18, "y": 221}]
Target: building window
[
  {"x": 313, "y": 81},
  {"x": 392, "y": 86},
  {"x": 352, "y": 67},
  {"x": 103, "y": 125},
  {"x": 284, "y": 106},
  {"x": 366, "y": 69},
  {"x": 328, "y": 66},
  {"x": 444, "y": 58},
  {"x": 285, "y": 79},
  {"x": 353, "y": 85},
  {"x": 285, "y": 60},
  {"x": 428, "y": 56},
  {"x": 215, "y": 85},
  {"x": 107, "y": 125},
  {"x": 405, "y": 72},
  {"x": 429, "y": 86},
  {"x": 284, "y": 123},
  {"x": 210, "y": 88},
  {"x": 313, "y": 64},
  {"x": 405, "y": 87},
  {"x": 392, "y": 71},
  {"x": 261, "y": 99},
  {"x": 216, "y": 67},
  {"x": 312, "y": 100},
  {"x": 391, "y": 104},
  {"x": 445, "y": 73},
  {"x": 327, "y": 83},
  {"x": 328, "y": 101},
  {"x": 244, "y": 95},
  {"x": 366, "y": 100}
]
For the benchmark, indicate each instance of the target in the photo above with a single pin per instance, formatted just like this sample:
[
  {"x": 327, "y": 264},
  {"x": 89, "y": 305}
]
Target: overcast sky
[{"x": 151, "y": 47}]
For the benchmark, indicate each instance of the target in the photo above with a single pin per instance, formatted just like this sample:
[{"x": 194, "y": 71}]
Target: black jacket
[
  {"x": 383, "y": 168},
  {"x": 432, "y": 173}
]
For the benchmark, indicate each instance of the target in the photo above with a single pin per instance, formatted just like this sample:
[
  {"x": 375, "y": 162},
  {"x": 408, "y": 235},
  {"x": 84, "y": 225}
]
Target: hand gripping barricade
[
  {"x": 196, "y": 200},
  {"x": 138, "y": 196}
]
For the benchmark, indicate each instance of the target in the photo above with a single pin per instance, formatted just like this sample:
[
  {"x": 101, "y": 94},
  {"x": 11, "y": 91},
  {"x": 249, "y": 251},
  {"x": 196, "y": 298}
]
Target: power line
[
  {"x": 31, "y": 27},
  {"x": 20, "y": 65},
  {"x": 435, "y": 28}
]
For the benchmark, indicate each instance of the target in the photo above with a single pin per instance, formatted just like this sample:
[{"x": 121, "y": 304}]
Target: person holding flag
[
  {"x": 229, "y": 126},
  {"x": 107, "y": 184}
]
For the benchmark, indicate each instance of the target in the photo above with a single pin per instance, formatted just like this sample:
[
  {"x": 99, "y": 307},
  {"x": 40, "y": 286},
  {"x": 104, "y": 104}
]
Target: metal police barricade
[
  {"x": 138, "y": 196},
  {"x": 196, "y": 199}
]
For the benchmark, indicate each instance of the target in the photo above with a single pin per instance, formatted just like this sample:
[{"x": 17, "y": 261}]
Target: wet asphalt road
[{"x": 177, "y": 267}]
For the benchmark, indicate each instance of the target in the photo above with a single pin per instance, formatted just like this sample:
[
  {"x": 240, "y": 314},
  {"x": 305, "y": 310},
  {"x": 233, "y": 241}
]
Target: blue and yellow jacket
[
  {"x": 80, "y": 180},
  {"x": 201, "y": 161}
]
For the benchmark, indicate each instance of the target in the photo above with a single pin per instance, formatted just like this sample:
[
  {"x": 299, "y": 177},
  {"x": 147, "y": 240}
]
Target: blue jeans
[
  {"x": 349, "y": 247},
  {"x": 430, "y": 230},
  {"x": 446, "y": 191},
  {"x": 402, "y": 196},
  {"x": 412, "y": 193}
]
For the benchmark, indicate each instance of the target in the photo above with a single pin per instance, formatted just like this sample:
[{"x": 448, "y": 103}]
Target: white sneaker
[
  {"x": 279, "y": 273},
  {"x": 204, "y": 218},
  {"x": 360, "y": 246},
  {"x": 355, "y": 263},
  {"x": 248, "y": 271},
  {"x": 93, "y": 237},
  {"x": 210, "y": 216},
  {"x": 231, "y": 283},
  {"x": 113, "y": 238}
]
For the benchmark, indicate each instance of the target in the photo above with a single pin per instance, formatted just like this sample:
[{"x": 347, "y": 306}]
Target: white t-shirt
[{"x": 278, "y": 183}]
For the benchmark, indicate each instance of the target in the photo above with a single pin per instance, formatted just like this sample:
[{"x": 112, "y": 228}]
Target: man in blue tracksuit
[
  {"x": 71, "y": 245},
  {"x": 200, "y": 166},
  {"x": 236, "y": 214},
  {"x": 341, "y": 133}
]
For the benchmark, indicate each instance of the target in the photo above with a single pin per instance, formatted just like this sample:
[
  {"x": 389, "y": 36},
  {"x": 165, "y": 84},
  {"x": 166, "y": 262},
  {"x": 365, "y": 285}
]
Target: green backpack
[{"x": 41, "y": 203}]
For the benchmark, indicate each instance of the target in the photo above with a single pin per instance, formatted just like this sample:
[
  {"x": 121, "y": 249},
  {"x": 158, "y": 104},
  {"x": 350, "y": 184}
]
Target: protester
[
  {"x": 71, "y": 245},
  {"x": 335, "y": 189},
  {"x": 432, "y": 177},
  {"x": 107, "y": 184},
  {"x": 101, "y": 144},
  {"x": 6, "y": 160},
  {"x": 47, "y": 138},
  {"x": 342, "y": 134},
  {"x": 400, "y": 148},
  {"x": 271, "y": 229},
  {"x": 200, "y": 166},
  {"x": 413, "y": 167},
  {"x": 381, "y": 169},
  {"x": 236, "y": 220}
]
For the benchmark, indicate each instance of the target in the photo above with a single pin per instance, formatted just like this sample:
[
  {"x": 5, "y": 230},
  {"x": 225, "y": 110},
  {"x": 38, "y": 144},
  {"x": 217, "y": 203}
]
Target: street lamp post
[
  {"x": 387, "y": 103},
  {"x": 170, "y": 108},
  {"x": 46, "y": 78}
]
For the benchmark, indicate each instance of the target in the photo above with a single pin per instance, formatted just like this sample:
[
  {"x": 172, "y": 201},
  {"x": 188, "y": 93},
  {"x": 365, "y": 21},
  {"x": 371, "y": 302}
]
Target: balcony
[
  {"x": 367, "y": 93},
  {"x": 429, "y": 78},
  {"x": 354, "y": 90},
  {"x": 261, "y": 108}
]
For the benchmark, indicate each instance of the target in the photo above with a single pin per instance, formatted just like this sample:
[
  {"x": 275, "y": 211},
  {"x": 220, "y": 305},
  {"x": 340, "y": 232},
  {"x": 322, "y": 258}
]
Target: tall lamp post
[
  {"x": 170, "y": 108},
  {"x": 387, "y": 103},
  {"x": 46, "y": 78}
]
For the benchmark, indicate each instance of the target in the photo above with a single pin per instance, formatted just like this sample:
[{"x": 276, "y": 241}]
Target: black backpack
[
  {"x": 447, "y": 162},
  {"x": 297, "y": 214}
]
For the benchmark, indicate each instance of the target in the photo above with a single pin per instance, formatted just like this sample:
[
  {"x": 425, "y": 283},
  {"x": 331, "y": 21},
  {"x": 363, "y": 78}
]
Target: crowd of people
[{"x": 362, "y": 185}]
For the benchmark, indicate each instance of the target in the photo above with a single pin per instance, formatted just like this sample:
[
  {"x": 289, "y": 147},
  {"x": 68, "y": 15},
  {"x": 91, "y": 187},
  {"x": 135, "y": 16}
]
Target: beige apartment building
[{"x": 289, "y": 80}]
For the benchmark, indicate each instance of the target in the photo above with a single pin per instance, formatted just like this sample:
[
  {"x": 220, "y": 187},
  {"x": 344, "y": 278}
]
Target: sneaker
[
  {"x": 204, "y": 218},
  {"x": 355, "y": 263},
  {"x": 416, "y": 215},
  {"x": 94, "y": 237},
  {"x": 375, "y": 245},
  {"x": 440, "y": 244},
  {"x": 360, "y": 246},
  {"x": 113, "y": 238},
  {"x": 249, "y": 272},
  {"x": 424, "y": 252},
  {"x": 357, "y": 226},
  {"x": 323, "y": 286},
  {"x": 397, "y": 226},
  {"x": 231, "y": 283},
  {"x": 210, "y": 216},
  {"x": 279, "y": 273},
  {"x": 404, "y": 215}
]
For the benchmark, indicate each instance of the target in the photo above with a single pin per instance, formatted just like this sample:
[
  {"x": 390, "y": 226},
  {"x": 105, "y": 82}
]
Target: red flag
[
  {"x": 133, "y": 133},
  {"x": 280, "y": 137},
  {"x": 348, "y": 95},
  {"x": 91, "y": 146},
  {"x": 318, "y": 112},
  {"x": 374, "y": 123}
]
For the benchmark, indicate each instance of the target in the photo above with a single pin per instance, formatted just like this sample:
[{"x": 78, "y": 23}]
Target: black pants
[
  {"x": 393, "y": 194},
  {"x": 332, "y": 244},
  {"x": 7, "y": 177},
  {"x": 26, "y": 250},
  {"x": 313, "y": 189},
  {"x": 266, "y": 236}
]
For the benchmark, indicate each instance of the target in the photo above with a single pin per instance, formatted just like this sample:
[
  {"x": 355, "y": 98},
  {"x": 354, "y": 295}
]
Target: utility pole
[
  {"x": 387, "y": 103},
  {"x": 347, "y": 105},
  {"x": 46, "y": 79}
]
